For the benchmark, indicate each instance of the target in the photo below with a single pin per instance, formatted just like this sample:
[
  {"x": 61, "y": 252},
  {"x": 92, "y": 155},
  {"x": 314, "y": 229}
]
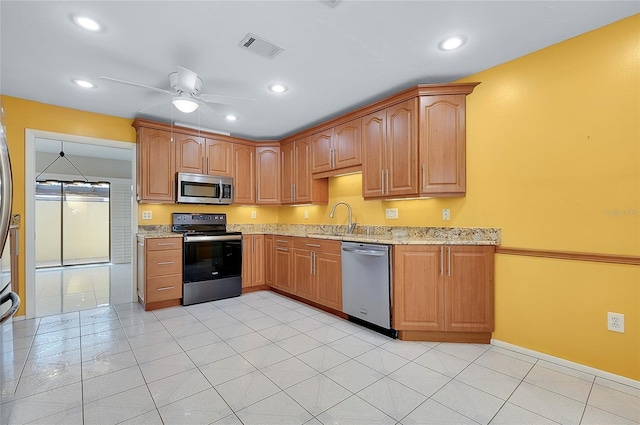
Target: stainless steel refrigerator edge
[{"x": 9, "y": 300}]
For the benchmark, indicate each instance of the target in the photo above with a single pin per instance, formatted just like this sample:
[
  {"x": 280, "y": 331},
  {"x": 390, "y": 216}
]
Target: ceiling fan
[{"x": 186, "y": 86}]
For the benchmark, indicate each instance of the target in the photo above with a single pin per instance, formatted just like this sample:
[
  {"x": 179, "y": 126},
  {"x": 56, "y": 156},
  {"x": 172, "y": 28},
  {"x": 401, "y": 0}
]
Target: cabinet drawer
[
  {"x": 317, "y": 245},
  {"x": 162, "y": 244},
  {"x": 164, "y": 288},
  {"x": 163, "y": 263},
  {"x": 285, "y": 241}
]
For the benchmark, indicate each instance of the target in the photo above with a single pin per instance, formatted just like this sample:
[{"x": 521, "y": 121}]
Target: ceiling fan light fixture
[
  {"x": 87, "y": 23},
  {"x": 184, "y": 104},
  {"x": 452, "y": 43},
  {"x": 230, "y": 117},
  {"x": 277, "y": 88}
]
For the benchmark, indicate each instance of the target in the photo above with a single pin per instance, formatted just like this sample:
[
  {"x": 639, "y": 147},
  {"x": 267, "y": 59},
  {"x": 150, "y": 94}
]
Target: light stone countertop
[{"x": 389, "y": 235}]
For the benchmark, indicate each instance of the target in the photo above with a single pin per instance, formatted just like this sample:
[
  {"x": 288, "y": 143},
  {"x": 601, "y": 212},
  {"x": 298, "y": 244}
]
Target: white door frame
[{"x": 30, "y": 206}]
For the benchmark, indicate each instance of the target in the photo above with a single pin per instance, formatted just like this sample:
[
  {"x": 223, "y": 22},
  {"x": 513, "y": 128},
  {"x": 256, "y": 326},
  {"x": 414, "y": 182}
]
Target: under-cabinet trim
[{"x": 570, "y": 255}]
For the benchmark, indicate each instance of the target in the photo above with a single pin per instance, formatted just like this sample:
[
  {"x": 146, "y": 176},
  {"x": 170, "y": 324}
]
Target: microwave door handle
[{"x": 220, "y": 192}]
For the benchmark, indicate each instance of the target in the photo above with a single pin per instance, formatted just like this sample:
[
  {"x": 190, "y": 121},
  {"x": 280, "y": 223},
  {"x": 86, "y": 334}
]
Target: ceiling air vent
[{"x": 260, "y": 46}]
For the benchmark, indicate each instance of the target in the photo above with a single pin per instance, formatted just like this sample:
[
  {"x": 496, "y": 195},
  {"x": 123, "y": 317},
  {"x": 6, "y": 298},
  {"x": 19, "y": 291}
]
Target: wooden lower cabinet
[
  {"x": 440, "y": 290},
  {"x": 159, "y": 272},
  {"x": 317, "y": 271},
  {"x": 269, "y": 269},
  {"x": 282, "y": 263},
  {"x": 253, "y": 264}
]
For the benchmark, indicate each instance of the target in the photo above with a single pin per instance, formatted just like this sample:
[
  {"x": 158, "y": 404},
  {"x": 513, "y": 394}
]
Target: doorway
[{"x": 88, "y": 201}]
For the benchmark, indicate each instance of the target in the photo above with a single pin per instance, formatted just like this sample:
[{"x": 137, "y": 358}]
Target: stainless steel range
[{"x": 212, "y": 257}]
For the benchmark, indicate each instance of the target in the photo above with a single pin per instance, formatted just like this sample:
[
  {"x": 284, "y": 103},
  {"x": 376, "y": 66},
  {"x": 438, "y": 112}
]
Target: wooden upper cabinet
[
  {"x": 287, "y": 169},
  {"x": 390, "y": 145},
  {"x": 156, "y": 166},
  {"x": 218, "y": 158},
  {"x": 268, "y": 175},
  {"x": 322, "y": 147},
  {"x": 189, "y": 153},
  {"x": 298, "y": 186},
  {"x": 442, "y": 145},
  {"x": 374, "y": 130},
  {"x": 402, "y": 149},
  {"x": 244, "y": 177},
  {"x": 337, "y": 148},
  {"x": 347, "y": 145}
]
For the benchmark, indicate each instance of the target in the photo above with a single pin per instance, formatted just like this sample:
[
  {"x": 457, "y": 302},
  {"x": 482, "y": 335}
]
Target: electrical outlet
[
  {"x": 146, "y": 215},
  {"x": 446, "y": 214},
  {"x": 615, "y": 322},
  {"x": 306, "y": 214},
  {"x": 391, "y": 213},
  {"x": 254, "y": 214}
]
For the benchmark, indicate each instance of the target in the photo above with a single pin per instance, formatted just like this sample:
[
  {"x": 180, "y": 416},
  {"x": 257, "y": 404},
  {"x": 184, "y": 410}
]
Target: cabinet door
[
  {"x": 418, "y": 297},
  {"x": 156, "y": 166},
  {"x": 321, "y": 151},
  {"x": 268, "y": 175},
  {"x": 189, "y": 153},
  {"x": 328, "y": 274},
  {"x": 247, "y": 260},
  {"x": 244, "y": 178},
  {"x": 218, "y": 158},
  {"x": 283, "y": 268},
  {"x": 401, "y": 151},
  {"x": 373, "y": 151},
  {"x": 347, "y": 144},
  {"x": 303, "y": 282},
  {"x": 269, "y": 268},
  {"x": 287, "y": 160},
  {"x": 442, "y": 144},
  {"x": 469, "y": 288},
  {"x": 302, "y": 174},
  {"x": 258, "y": 263}
]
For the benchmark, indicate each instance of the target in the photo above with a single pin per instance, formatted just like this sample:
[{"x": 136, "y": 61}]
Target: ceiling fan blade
[
  {"x": 115, "y": 80},
  {"x": 227, "y": 100},
  {"x": 153, "y": 106},
  {"x": 187, "y": 79}
]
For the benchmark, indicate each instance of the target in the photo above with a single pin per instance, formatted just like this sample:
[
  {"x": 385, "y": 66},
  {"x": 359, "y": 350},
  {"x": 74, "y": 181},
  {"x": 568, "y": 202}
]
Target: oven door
[{"x": 212, "y": 268}]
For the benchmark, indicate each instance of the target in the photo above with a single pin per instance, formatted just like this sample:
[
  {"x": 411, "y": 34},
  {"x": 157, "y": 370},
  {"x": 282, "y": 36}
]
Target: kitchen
[{"x": 507, "y": 188}]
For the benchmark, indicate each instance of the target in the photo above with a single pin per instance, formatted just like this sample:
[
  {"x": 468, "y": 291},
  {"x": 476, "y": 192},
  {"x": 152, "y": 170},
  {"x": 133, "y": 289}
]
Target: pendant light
[{"x": 62, "y": 155}]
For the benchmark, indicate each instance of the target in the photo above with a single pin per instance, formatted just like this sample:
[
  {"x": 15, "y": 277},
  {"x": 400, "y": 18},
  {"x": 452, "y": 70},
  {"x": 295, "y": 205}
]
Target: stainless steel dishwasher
[{"x": 366, "y": 284}]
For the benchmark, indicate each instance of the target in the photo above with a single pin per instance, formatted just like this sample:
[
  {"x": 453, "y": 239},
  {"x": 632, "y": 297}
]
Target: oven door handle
[{"x": 205, "y": 238}]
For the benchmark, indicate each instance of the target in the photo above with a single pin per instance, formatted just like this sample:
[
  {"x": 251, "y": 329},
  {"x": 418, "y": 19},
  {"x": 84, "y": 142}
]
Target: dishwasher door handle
[{"x": 368, "y": 252}]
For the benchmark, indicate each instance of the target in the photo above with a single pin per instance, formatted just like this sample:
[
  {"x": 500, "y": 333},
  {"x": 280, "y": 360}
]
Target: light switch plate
[
  {"x": 391, "y": 213},
  {"x": 254, "y": 214},
  {"x": 446, "y": 214},
  {"x": 306, "y": 214},
  {"x": 146, "y": 215}
]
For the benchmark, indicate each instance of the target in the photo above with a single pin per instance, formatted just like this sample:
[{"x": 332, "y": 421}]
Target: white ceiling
[{"x": 335, "y": 58}]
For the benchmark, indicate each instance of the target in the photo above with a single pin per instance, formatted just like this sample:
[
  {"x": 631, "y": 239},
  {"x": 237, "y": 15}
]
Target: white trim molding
[{"x": 562, "y": 362}]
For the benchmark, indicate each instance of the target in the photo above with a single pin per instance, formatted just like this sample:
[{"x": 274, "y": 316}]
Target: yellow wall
[{"x": 553, "y": 148}]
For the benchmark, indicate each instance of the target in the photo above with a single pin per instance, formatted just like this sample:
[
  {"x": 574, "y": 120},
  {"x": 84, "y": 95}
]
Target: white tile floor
[
  {"x": 75, "y": 288},
  {"x": 265, "y": 359}
]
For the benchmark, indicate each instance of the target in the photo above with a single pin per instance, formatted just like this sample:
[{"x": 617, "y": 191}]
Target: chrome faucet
[{"x": 351, "y": 225}]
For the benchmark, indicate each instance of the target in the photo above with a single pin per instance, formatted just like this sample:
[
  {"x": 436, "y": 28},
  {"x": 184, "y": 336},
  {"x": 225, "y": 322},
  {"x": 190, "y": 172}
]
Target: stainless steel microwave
[{"x": 204, "y": 189}]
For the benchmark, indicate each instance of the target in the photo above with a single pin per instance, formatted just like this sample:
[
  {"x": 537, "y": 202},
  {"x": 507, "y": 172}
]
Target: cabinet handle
[
  {"x": 382, "y": 181},
  {"x": 424, "y": 183},
  {"x": 281, "y": 249},
  {"x": 166, "y": 288},
  {"x": 387, "y": 181},
  {"x": 311, "y": 263},
  {"x": 165, "y": 263},
  {"x": 441, "y": 261},
  {"x": 313, "y": 258},
  {"x": 165, "y": 244},
  {"x": 281, "y": 241},
  {"x": 333, "y": 158},
  {"x": 449, "y": 261},
  {"x": 293, "y": 197},
  {"x": 314, "y": 245}
]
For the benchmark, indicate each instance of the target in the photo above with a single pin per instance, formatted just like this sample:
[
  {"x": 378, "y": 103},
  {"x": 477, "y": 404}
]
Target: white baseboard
[{"x": 562, "y": 362}]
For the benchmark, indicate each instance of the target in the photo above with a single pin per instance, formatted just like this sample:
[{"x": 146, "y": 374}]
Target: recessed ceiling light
[
  {"x": 230, "y": 117},
  {"x": 452, "y": 43},
  {"x": 87, "y": 23},
  {"x": 84, "y": 83},
  {"x": 277, "y": 88}
]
